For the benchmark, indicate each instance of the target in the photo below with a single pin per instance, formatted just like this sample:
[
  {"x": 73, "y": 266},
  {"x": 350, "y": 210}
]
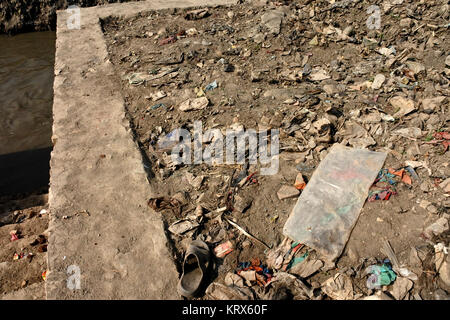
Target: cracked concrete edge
[{"x": 118, "y": 249}]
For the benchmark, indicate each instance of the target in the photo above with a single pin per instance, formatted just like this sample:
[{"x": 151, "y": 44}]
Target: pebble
[
  {"x": 432, "y": 209},
  {"x": 378, "y": 81}
]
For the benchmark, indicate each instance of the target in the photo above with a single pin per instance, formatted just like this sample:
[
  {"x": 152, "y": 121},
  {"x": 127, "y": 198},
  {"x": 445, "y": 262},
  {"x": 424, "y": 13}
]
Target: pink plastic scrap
[{"x": 329, "y": 206}]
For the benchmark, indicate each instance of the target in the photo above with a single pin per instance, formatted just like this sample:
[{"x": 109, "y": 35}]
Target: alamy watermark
[
  {"x": 74, "y": 20},
  {"x": 74, "y": 279},
  {"x": 374, "y": 20},
  {"x": 187, "y": 150}
]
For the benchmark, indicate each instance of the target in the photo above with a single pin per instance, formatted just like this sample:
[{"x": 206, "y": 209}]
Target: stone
[
  {"x": 432, "y": 209},
  {"x": 447, "y": 61},
  {"x": 330, "y": 89},
  {"x": 255, "y": 76},
  {"x": 414, "y": 259},
  {"x": 319, "y": 75},
  {"x": 437, "y": 228},
  {"x": 403, "y": 106},
  {"x": 378, "y": 81},
  {"x": 431, "y": 105},
  {"x": 272, "y": 21},
  {"x": 424, "y": 203},
  {"x": 445, "y": 185},
  {"x": 242, "y": 203},
  {"x": 401, "y": 287},
  {"x": 405, "y": 23},
  {"x": 442, "y": 263},
  {"x": 408, "y": 132},
  {"x": 415, "y": 67},
  {"x": 286, "y": 192}
]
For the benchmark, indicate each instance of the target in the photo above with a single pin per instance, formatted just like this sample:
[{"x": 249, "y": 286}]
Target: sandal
[{"x": 196, "y": 263}]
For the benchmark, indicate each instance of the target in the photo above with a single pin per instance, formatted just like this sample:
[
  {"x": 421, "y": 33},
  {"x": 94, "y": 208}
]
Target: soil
[
  {"x": 18, "y": 16},
  {"x": 23, "y": 277},
  {"x": 266, "y": 89},
  {"x": 139, "y": 45}
]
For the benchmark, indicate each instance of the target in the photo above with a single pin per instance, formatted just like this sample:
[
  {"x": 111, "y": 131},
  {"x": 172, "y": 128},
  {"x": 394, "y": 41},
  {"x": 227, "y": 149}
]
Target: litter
[
  {"x": 163, "y": 203},
  {"x": 387, "y": 176},
  {"x": 283, "y": 256},
  {"x": 339, "y": 287},
  {"x": 168, "y": 40},
  {"x": 156, "y": 106},
  {"x": 262, "y": 274},
  {"x": 18, "y": 256},
  {"x": 442, "y": 137},
  {"x": 195, "y": 104},
  {"x": 183, "y": 226},
  {"x": 223, "y": 249},
  {"x": 14, "y": 235},
  {"x": 196, "y": 265},
  {"x": 379, "y": 276},
  {"x": 197, "y": 14},
  {"x": 157, "y": 96},
  {"x": 283, "y": 281},
  {"x": 137, "y": 78},
  {"x": 330, "y": 204},
  {"x": 300, "y": 184},
  {"x": 199, "y": 92},
  {"x": 246, "y": 233},
  {"x": 211, "y": 86}
]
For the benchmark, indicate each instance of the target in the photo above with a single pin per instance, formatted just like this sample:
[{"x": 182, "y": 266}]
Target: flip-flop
[{"x": 195, "y": 266}]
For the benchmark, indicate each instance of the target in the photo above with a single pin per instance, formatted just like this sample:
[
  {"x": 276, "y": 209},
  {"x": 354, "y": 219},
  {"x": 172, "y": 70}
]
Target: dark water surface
[{"x": 26, "y": 99}]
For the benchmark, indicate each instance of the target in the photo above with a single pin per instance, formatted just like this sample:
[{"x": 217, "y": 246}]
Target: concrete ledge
[{"x": 119, "y": 245}]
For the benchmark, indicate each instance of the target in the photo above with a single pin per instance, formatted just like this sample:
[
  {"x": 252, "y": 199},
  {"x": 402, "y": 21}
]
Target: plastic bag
[{"x": 329, "y": 206}]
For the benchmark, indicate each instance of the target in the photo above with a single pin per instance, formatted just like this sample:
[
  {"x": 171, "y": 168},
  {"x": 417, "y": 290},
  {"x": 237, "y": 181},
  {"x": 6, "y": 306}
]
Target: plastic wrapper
[{"x": 329, "y": 206}]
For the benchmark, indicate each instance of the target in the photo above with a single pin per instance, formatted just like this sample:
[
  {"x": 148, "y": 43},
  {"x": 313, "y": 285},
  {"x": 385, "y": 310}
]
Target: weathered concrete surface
[
  {"x": 119, "y": 245},
  {"x": 35, "y": 291}
]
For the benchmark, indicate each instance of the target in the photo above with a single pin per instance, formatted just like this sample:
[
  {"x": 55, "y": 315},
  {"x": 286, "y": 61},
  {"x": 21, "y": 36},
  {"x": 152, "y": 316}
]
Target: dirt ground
[
  {"x": 22, "y": 278},
  {"x": 310, "y": 69}
]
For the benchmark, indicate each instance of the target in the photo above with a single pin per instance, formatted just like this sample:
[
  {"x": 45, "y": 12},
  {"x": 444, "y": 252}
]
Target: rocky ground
[
  {"x": 23, "y": 246},
  {"x": 37, "y": 15},
  {"x": 317, "y": 72}
]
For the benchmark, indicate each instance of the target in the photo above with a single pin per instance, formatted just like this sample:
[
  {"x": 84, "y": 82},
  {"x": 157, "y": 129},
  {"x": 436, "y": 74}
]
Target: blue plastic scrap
[{"x": 211, "y": 86}]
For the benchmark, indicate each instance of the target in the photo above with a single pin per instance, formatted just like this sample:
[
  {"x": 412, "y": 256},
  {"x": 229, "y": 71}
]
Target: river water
[{"x": 26, "y": 99}]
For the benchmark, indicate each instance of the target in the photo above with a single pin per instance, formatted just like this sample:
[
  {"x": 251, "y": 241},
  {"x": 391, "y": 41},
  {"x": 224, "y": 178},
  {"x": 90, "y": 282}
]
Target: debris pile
[{"x": 362, "y": 113}]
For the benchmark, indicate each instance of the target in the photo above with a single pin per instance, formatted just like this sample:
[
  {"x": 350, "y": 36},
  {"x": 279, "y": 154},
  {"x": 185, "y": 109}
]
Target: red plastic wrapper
[{"x": 223, "y": 249}]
